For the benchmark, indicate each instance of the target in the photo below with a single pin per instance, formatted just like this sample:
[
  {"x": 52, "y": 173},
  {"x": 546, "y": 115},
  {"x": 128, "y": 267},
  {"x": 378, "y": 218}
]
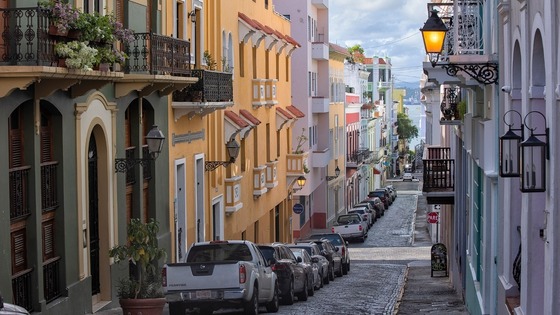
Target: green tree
[
  {"x": 406, "y": 130},
  {"x": 357, "y": 52}
]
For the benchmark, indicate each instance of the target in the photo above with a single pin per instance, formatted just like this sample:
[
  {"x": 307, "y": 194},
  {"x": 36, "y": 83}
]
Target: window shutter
[
  {"x": 19, "y": 255},
  {"x": 48, "y": 240}
]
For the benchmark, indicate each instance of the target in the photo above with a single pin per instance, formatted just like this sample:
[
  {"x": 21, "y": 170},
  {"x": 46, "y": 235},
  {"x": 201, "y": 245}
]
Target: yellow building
[{"x": 213, "y": 195}]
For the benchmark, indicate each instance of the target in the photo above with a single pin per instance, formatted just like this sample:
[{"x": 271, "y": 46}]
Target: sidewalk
[{"x": 423, "y": 294}]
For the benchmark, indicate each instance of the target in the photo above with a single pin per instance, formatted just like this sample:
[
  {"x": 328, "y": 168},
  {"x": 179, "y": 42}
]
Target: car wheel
[
  {"x": 344, "y": 269},
  {"x": 326, "y": 278},
  {"x": 331, "y": 273},
  {"x": 339, "y": 272},
  {"x": 321, "y": 280},
  {"x": 252, "y": 306},
  {"x": 302, "y": 296},
  {"x": 288, "y": 298},
  {"x": 177, "y": 308},
  {"x": 274, "y": 305},
  {"x": 311, "y": 287}
]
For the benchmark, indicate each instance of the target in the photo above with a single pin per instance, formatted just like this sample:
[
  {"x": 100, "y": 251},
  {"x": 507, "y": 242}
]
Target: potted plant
[
  {"x": 301, "y": 141},
  {"x": 106, "y": 57},
  {"x": 77, "y": 54},
  {"x": 141, "y": 292},
  {"x": 62, "y": 16}
]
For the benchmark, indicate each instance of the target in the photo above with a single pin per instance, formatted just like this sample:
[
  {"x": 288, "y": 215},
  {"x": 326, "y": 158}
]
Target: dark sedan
[
  {"x": 315, "y": 252},
  {"x": 292, "y": 277}
]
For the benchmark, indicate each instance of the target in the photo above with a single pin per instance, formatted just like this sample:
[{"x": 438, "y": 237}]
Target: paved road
[{"x": 378, "y": 266}]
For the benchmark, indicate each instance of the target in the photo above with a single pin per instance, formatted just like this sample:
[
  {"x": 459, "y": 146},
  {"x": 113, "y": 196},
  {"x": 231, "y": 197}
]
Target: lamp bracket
[
  {"x": 209, "y": 166},
  {"x": 329, "y": 178},
  {"x": 485, "y": 73},
  {"x": 123, "y": 165}
]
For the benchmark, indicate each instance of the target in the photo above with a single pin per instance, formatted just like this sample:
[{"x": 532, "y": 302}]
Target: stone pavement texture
[{"x": 422, "y": 293}]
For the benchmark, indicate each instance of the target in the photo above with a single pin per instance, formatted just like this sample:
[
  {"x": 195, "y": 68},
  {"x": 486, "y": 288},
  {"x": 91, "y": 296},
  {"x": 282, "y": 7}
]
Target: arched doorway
[{"x": 93, "y": 202}]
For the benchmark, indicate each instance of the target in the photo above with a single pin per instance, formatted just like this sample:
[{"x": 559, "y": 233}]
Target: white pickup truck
[
  {"x": 350, "y": 226},
  {"x": 221, "y": 274}
]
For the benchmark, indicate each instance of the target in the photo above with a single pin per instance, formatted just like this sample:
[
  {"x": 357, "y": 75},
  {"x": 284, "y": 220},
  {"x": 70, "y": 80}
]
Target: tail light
[
  {"x": 164, "y": 277},
  {"x": 343, "y": 249},
  {"x": 242, "y": 274},
  {"x": 332, "y": 229},
  {"x": 277, "y": 267},
  {"x": 360, "y": 227}
]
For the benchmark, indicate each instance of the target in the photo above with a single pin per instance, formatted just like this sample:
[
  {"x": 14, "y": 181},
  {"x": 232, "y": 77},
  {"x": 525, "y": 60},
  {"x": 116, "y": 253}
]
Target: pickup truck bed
[{"x": 350, "y": 227}]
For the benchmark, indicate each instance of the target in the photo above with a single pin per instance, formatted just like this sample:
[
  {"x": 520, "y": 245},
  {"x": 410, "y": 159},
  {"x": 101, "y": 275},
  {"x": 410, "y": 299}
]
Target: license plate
[{"x": 203, "y": 294}]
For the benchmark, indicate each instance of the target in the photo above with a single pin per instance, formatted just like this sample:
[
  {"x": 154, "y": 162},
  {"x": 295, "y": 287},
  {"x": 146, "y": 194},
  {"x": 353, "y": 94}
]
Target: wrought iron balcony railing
[
  {"x": 438, "y": 170},
  {"x": 19, "y": 192},
  {"x": 212, "y": 86},
  {"x": 49, "y": 196},
  {"x": 21, "y": 288},
  {"x": 158, "y": 54},
  {"x": 51, "y": 279},
  {"x": 449, "y": 106}
]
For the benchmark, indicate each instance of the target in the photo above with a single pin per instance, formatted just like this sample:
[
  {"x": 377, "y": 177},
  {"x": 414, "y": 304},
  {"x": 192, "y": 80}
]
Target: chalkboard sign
[{"x": 439, "y": 259}]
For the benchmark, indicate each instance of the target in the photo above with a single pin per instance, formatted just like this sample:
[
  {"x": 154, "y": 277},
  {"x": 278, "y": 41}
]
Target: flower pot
[
  {"x": 53, "y": 30},
  {"x": 61, "y": 63},
  {"x": 74, "y": 34},
  {"x": 143, "y": 306},
  {"x": 104, "y": 67}
]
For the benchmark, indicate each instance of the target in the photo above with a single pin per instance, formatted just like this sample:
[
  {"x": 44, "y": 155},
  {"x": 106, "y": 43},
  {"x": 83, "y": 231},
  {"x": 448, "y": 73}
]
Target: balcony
[
  {"x": 271, "y": 92},
  {"x": 321, "y": 158},
  {"x": 271, "y": 174},
  {"x": 383, "y": 86},
  {"x": 212, "y": 91},
  {"x": 320, "y": 104},
  {"x": 51, "y": 274},
  {"x": 320, "y": 51},
  {"x": 49, "y": 195},
  {"x": 233, "y": 194},
  {"x": 259, "y": 181},
  {"x": 296, "y": 164},
  {"x": 451, "y": 114},
  {"x": 22, "y": 288},
  {"x": 320, "y": 4},
  {"x": 357, "y": 158},
  {"x": 438, "y": 175}
]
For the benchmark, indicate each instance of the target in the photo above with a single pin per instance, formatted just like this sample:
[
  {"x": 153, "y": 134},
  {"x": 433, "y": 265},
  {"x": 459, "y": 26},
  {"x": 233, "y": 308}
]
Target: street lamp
[
  {"x": 433, "y": 35},
  {"x": 233, "y": 151},
  {"x": 154, "y": 139},
  {"x": 534, "y": 154},
  {"x": 509, "y": 148},
  {"x": 336, "y": 174}
]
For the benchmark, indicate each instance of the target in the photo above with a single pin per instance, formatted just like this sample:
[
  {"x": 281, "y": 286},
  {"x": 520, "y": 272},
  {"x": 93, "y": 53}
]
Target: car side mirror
[
  {"x": 314, "y": 259},
  {"x": 336, "y": 248},
  {"x": 347, "y": 244},
  {"x": 271, "y": 261},
  {"x": 298, "y": 259}
]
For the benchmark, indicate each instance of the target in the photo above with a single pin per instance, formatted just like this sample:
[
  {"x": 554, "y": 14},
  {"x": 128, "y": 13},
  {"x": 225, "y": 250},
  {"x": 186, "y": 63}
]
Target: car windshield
[
  {"x": 334, "y": 238},
  {"x": 306, "y": 248},
  {"x": 219, "y": 252}
]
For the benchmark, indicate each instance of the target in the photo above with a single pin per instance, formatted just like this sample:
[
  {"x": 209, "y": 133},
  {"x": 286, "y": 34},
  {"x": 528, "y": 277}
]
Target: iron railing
[
  {"x": 25, "y": 39},
  {"x": 158, "y": 54},
  {"x": 146, "y": 167},
  {"x": 438, "y": 175},
  {"x": 212, "y": 86},
  {"x": 49, "y": 195},
  {"x": 21, "y": 288},
  {"x": 51, "y": 279},
  {"x": 19, "y": 192},
  {"x": 130, "y": 175}
]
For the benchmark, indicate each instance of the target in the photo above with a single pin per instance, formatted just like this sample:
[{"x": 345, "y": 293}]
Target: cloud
[{"x": 384, "y": 28}]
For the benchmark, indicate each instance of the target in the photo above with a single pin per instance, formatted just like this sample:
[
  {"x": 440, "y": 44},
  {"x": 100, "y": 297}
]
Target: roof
[
  {"x": 284, "y": 113},
  {"x": 245, "y": 113},
  {"x": 236, "y": 119},
  {"x": 295, "y": 111},
  {"x": 339, "y": 49}
]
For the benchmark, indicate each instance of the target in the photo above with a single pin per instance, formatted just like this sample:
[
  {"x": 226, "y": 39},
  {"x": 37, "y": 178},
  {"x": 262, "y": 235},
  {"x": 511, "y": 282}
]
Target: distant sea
[{"x": 418, "y": 116}]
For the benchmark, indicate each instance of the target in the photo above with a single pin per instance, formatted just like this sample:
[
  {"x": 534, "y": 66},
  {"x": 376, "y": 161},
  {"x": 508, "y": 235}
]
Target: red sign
[{"x": 432, "y": 217}]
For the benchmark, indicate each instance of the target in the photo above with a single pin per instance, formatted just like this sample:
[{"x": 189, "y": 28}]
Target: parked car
[
  {"x": 331, "y": 253},
  {"x": 366, "y": 216},
  {"x": 371, "y": 209},
  {"x": 407, "y": 176},
  {"x": 315, "y": 252},
  {"x": 341, "y": 244},
  {"x": 377, "y": 205},
  {"x": 387, "y": 194},
  {"x": 11, "y": 309},
  {"x": 350, "y": 226},
  {"x": 392, "y": 191},
  {"x": 292, "y": 277},
  {"x": 311, "y": 268},
  {"x": 381, "y": 194}
]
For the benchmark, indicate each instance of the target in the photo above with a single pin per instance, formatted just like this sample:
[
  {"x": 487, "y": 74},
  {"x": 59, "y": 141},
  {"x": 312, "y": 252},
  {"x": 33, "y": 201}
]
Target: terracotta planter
[
  {"x": 61, "y": 62},
  {"x": 104, "y": 67},
  {"x": 53, "y": 30},
  {"x": 143, "y": 306},
  {"x": 74, "y": 34}
]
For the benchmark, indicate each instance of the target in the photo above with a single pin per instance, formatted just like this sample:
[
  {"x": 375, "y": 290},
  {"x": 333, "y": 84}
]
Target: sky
[{"x": 384, "y": 28}]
